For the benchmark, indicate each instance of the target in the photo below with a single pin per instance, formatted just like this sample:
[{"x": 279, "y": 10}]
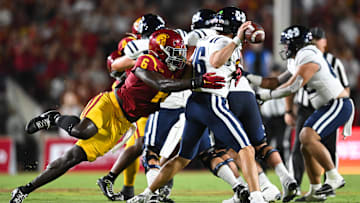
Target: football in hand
[{"x": 255, "y": 33}]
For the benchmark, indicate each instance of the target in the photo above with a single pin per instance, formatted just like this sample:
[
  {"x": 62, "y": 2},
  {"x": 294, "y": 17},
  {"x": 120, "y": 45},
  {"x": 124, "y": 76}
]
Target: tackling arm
[
  {"x": 122, "y": 63},
  {"x": 161, "y": 83}
]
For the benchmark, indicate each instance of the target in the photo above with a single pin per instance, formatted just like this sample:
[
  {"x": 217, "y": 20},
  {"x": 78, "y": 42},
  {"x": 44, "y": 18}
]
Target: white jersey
[
  {"x": 243, "y": 84},
  {"x": 194, "y": 36},
  {"x": 136, "y": 48},
  {"x": 201, "y": 62},
  {"x": 323, "y": 86}
]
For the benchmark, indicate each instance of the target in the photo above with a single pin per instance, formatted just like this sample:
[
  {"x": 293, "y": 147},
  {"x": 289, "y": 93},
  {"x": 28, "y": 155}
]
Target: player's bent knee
[
  {"x": 248, "y": 150},
  {"x": 150, "y": 160},
  {"x": 264, "y": 151}
]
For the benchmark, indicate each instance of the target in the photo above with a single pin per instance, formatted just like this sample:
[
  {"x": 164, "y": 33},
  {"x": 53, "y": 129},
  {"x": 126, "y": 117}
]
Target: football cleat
[
  {"x": 144, "y": 198},
  {"x": 270, "y": 193},
  {"x": 44, "y": 121},
  {"x": 106, "y": 186},
  {"x": 257, "y": 199},
  {"x": 17, "y": 196},
  {"x": 330, "y": 186},
  {"x": 164, "y": 192},
  {"x": 241, "y": 195},
  {"x": 311, "y": 198},
  {"x": 289, "y": 187}
]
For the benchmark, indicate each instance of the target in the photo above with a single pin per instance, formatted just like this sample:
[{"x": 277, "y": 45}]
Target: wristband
[
  {"x": 237, "y": 41},
  {"x": 196, "y": 82}
]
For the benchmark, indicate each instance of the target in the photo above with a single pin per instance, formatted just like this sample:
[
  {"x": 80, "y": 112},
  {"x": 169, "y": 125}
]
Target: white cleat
[
  {"x": 330, "y": 186},
  {"x": 311, "y": 198},
  {"x": 270, "y": 192},
  {"x": 289, "y": 187}
]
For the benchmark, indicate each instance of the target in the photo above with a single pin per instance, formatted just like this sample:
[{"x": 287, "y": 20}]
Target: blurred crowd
[{"x": 56, "y": 50}]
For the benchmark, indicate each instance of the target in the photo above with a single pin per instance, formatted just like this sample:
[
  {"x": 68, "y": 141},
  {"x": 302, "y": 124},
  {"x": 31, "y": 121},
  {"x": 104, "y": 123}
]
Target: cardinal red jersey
[{"x": 139, "y": 99}]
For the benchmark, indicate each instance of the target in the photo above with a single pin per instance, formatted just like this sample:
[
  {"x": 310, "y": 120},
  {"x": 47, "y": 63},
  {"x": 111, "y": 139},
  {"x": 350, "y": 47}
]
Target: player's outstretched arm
[
  {"x": 268, "y": 82},
  {"x": 161, "y": 83}
]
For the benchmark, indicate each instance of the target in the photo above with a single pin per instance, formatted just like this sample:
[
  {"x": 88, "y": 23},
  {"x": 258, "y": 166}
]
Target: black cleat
[
  {"x": 121, "y": 196},
  {"x": 243, "y": 193},
  {"x": 328, "y": 190},
  {"x": 17, "y": 196},
  {"x": 106, "y": 186},
  {"x": 44, "y": 121}
]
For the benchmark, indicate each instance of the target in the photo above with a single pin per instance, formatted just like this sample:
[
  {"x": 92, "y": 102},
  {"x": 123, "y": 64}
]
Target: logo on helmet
[{"x": 161, "y": 38}]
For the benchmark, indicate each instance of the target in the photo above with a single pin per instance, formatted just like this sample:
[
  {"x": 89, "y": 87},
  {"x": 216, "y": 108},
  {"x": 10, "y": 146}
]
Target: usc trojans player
[
  {"x": 128, "y": 162},
  {"x": 109, "y": 115}
]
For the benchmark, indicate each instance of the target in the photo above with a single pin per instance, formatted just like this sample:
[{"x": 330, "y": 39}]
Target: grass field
[{"x": 189, "y": 187}]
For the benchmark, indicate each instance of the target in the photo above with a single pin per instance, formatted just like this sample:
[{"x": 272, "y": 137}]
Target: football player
[
  {"x": 242, "y": 103},
  {"x": 128, "y": 160},
  {"x": 305, "y": 110},
  {"x": 333, "y": 107},
  {"x": 109, "y": 115},
  {"x": 207, "y": 109}
]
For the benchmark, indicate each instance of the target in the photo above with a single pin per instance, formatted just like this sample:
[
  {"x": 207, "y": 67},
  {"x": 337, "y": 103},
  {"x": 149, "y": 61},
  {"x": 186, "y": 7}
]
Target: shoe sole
[
  {"x": 98, "y": 182},
  {"x": 330, "y": 192}
]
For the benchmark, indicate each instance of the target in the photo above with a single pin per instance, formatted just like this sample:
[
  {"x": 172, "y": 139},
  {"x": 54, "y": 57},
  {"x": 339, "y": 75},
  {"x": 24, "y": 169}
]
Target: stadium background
[{"x": 52, "y": 55}]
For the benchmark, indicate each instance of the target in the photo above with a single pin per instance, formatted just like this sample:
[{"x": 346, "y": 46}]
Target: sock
[
  {"x": 332, "y": 174},
  {"x": 27, "y": 188},
  {"x": 263, "y": 180},
  {"x": 111, "y": 176},
  {"x": 227, "y": 175},
  {"x": 130, "y": 173},
  {"x": 151, "y": 175},
  {"x": 242, "y": 181},
  {"x": 170, "y": 183},
  {"x": 281, "y": 171},
  {"x": 147, "y": 191},
  {"x": 128, "y": 191},
  {"x": 314, "y": 187},
  {"x": 67, "y": 122}
]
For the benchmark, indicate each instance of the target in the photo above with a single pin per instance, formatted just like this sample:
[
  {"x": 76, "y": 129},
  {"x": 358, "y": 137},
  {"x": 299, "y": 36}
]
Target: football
[{"x": 255, "y": 33}]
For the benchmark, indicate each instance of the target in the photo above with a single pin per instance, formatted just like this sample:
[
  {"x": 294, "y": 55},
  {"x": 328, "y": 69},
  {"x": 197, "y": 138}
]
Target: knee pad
[
  {"x": 260, "y": 152},
  {"x": 219, "y": 165},
  {"x": 146, "y": 158},
  {"x": 207, "y": 156}
]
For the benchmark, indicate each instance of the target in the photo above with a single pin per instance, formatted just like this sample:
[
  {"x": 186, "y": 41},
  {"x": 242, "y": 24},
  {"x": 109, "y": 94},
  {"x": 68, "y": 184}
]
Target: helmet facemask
[{"x": 176, "y": 57}]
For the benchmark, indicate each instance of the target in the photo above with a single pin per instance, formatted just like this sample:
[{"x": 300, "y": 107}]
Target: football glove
[
  {"x": 236, "y": 75},
  {"x": 208, "y": 80}
]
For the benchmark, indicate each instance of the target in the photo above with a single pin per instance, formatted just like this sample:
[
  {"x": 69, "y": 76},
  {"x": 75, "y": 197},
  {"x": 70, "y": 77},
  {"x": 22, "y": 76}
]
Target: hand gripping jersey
[
  {"x": 243, "y": 84},
  {"x": 201, "y": 62},
  {"x": 323, "y": 86},
  {"x": 135, "y": 97}
]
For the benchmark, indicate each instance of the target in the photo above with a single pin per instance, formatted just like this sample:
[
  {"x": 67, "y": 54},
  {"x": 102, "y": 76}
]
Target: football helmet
[
  {"x": 149, "y": 23},
  {"x": 229, "y": 19},
  {"x": 123, "y": 42},
  {"x": 169, "y": 47},
  {"x": 203, "y": 19},
  {"x": 135, "y": 28},
  {"x": 294, "y": 38}
]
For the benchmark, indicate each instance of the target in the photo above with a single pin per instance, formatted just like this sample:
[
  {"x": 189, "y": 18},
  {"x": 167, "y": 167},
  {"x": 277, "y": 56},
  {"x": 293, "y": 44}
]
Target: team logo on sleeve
[{"x": 161, "y": 39}]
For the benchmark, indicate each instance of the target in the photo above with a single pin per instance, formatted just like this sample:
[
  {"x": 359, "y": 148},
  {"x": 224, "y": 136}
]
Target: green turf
[{"x": 189, "y": 187}]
